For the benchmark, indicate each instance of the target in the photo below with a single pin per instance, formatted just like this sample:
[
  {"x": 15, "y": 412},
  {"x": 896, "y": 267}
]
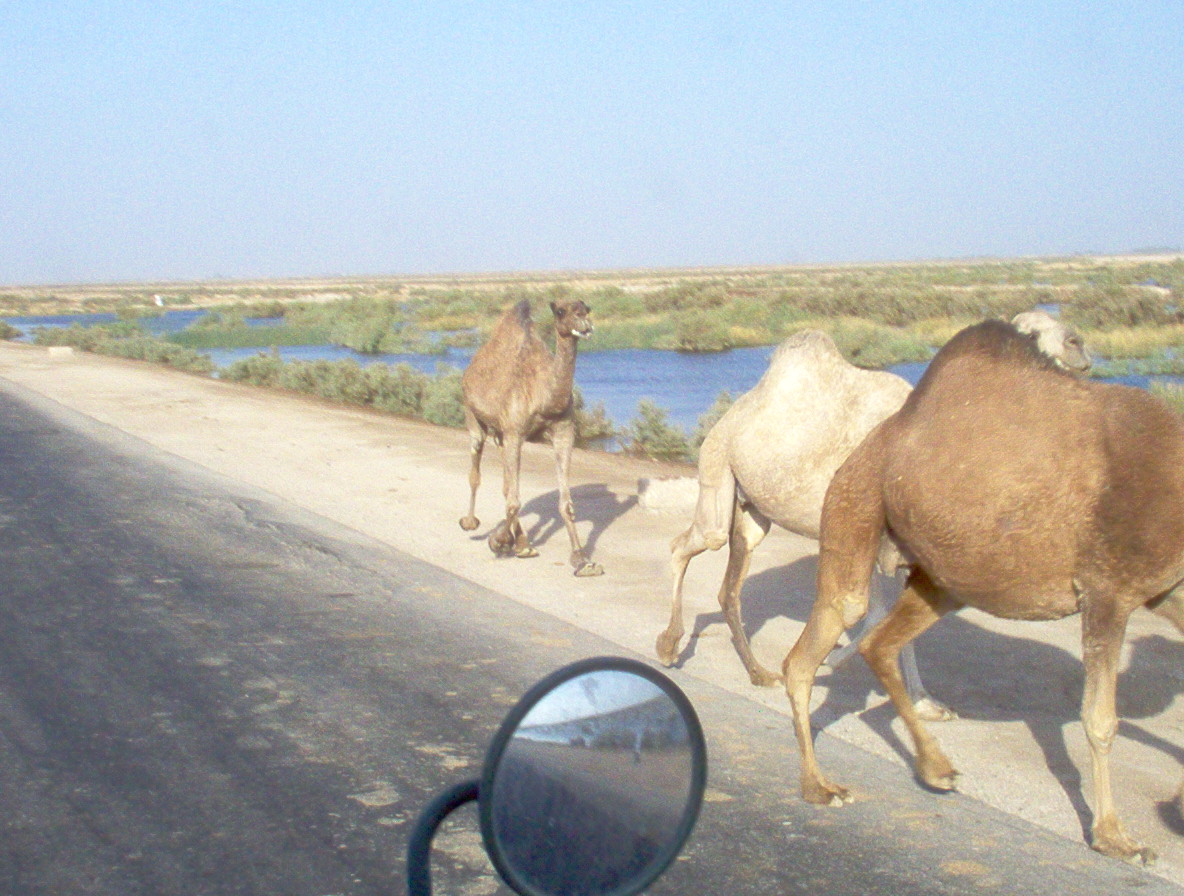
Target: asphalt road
[{"x": 204, "y": 690}]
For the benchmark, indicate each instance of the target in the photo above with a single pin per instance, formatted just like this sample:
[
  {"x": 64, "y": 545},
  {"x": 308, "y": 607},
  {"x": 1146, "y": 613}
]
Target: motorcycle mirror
[{"x": 590, "y": 788}]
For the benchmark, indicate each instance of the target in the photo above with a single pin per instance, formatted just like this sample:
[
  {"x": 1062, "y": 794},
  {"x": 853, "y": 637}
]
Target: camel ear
[{"x": 554, "y": 310}]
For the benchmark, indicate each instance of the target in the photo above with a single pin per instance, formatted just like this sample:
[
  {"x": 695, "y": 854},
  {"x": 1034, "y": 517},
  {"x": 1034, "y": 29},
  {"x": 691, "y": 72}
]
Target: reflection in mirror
[{"x": 594, "y": 785}]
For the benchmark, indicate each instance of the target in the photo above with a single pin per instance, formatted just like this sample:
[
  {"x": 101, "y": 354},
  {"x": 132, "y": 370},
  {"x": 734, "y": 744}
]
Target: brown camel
[
  {"x": 515, "y": 389},
  {"x": 1018, "y": 489}
]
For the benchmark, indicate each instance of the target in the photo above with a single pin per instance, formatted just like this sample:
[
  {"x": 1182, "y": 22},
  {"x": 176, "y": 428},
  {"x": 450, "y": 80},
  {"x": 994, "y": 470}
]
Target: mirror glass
[{"x": 596, "y": 785}]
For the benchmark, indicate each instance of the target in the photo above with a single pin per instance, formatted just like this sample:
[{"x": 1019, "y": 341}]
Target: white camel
[{"x": 771, "y": 456}]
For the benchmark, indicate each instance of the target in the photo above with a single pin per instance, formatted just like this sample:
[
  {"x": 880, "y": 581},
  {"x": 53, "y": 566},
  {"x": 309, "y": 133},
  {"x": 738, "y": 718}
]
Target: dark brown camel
[
  {"x": 1017, "y": 489},
  {"x": 515, "y": 389}
]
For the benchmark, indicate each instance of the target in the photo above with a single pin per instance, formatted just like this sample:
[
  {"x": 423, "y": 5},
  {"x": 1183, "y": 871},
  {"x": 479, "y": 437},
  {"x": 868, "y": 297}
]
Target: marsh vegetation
[{"x": 1129, "y": 309}]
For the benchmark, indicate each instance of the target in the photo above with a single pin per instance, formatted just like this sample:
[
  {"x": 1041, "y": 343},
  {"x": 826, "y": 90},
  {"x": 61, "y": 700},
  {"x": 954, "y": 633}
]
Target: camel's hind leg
[
  {"x": 878, "y": 606},
  {"x": 749, "y": 528},
  {"x": 708, "y": 530},
  {"x": 563, "y": 437},
  {"x": 476, "y": 447},
  {"x": 921, "y": 604},
  {"x": 1103, "y": 627}
]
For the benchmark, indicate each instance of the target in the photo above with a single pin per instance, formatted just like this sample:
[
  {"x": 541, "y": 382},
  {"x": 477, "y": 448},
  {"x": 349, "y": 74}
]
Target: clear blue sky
[{"x": 188, "y": 140}]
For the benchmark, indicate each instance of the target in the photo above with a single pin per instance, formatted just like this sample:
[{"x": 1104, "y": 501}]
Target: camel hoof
[
  {"x": 588, "y": 568},
  {"x": 823, "y": 793},
  {"x": 667, "y": 648},
  {"x": 469, "y": 523},
  {"x": 943, "y": 779},
  {"x": 763, "y": 678},
  {"x": 1111, "y": 840},
  {"x": 931, "y": 711},
  {"x": 500, "y": 542},
  {"x": 525, "y": 553},
  {"x": 1129, "y": 852}
]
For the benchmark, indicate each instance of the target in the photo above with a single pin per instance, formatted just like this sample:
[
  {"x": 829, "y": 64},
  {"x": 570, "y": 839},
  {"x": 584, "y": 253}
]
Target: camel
[
  {"x": 1016, "y": 488},
  {"x": 770, "y": 458},
  {"x": 515, "y": 389}
]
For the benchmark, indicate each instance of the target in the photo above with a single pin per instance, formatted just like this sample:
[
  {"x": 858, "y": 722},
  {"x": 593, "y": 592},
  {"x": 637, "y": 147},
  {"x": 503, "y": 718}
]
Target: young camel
[
  {"x": 515, "y": 389},
  {"x": 770, "y": 458},
  {"x": 1018, "y": 490}
]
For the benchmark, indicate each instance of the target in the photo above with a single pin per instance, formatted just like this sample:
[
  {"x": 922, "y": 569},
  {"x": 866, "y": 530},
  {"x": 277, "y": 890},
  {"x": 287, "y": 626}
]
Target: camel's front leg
[
  {"x": 476, "y": 447},
  {"x": 818, "y": 638},
  {"x": 1103, "y": 626},
  {"x": 749, "y": 528},
  {"x": 509, "y": 539},
  {"x": 852, "y": 525},
  {"x": 563, "y": 436}
]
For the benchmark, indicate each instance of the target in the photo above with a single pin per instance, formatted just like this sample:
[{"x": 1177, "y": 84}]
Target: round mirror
[{"x": 593, "y": 782}]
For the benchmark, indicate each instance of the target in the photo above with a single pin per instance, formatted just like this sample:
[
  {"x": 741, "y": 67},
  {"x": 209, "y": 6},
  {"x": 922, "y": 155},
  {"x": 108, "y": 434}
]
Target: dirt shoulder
[{"x": 1016, "y": 686}]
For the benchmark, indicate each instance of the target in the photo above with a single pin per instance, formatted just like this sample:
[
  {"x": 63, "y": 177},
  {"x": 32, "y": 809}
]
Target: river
[{"x": 684, "y": 385}]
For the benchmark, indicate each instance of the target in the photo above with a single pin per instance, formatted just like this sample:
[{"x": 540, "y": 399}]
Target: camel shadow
[
  {"x": 594, "y": 503},
  {"x": 784, "y": 592},
  {"x": 982, "y": 674},
  {"x": 988, "y": 676}
]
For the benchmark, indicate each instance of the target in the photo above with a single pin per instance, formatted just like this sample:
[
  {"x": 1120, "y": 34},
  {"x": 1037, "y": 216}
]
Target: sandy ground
[{"x": 1016, "y": 686}]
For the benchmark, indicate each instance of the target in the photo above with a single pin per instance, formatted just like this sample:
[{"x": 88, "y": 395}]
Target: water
[{"x": 685, "y": 385}]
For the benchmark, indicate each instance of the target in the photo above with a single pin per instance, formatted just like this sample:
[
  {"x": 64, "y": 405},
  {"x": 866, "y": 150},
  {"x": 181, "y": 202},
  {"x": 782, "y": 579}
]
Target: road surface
[{"x": 225, "y": 672}]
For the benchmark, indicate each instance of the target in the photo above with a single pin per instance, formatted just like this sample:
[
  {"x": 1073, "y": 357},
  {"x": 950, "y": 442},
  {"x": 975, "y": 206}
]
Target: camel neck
[{"x": 563, "y": 371}]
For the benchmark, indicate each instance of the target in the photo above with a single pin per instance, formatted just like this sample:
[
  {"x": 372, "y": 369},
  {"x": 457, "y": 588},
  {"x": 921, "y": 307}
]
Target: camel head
[
  {"x": 572, "y": 318},
  {"x": 1060, "y": 343}
]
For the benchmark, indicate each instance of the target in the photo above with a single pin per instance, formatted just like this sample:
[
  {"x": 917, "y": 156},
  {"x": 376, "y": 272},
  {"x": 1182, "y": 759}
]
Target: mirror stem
[{"x": 419, "y": 848}]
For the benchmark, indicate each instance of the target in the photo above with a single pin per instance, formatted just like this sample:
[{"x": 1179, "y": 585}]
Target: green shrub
[
  {"x": 258, "y": 370},
  {"x": 710, "y": 417},
  {"x": 592, "y": 425},
  {"x": 650, "y": 435},
  {"x": 876, "y": 347},
  {"x": 700, "y": 331},
  {"x": 443, "y": 403},
  {"x": 399, "y": 389},
  {"x": 125, "y": 340}
]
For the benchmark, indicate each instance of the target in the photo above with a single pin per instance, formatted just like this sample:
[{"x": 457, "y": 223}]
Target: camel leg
[
  {"x": 476, "y": 447},
  {"x": 508, "y": 539},
  {"x": 818, "y": 638},
  {"x": 563, "y": 437},
  {"x": 928, "y": 708},
  {"x": 920, "y": 605},
  {"x": 1103, "y": 626},
  {"x": 852, "y": 525},
  {"x": 708, "y": 530},
  {"x": 749, "y": 528}
]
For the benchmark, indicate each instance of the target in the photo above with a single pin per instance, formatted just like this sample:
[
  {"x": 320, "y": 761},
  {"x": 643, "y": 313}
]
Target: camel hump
[
  {"x": 997, "y": 340},
  {"x": 514, "y": 326},
  {"x": 803, "y": 347},
  {"x": 521, "y": 313}
]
